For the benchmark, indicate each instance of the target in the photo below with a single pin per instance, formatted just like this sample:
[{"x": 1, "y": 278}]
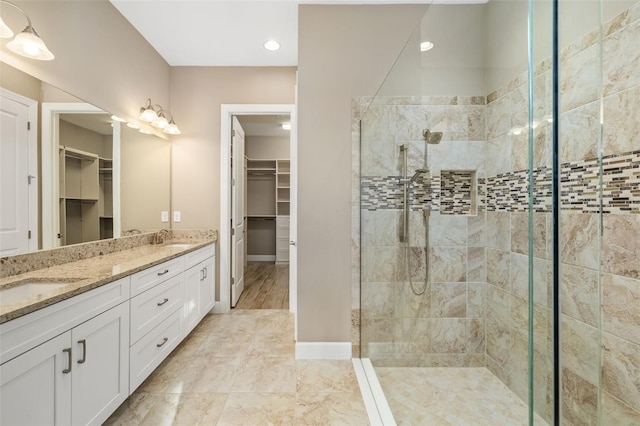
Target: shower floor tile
[{"x": 451, "y": 396}]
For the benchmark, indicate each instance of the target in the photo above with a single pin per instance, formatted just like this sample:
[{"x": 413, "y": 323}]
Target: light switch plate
[
  {"x": 164, "y": 216},
  {"x": 177, "y": 216}
]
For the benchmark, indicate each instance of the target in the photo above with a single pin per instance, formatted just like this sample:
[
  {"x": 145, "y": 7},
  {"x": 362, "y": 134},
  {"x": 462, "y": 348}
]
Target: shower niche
[{"x": 458, "y": 192}]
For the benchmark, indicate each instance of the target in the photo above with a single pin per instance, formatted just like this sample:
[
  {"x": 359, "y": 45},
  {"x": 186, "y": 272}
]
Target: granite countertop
[{"x": 84, "y": 275}]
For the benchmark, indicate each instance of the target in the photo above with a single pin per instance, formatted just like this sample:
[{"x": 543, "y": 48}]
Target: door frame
[
  {"x": 224, "y": 236},
  {"x": 50, "y": 168},
  {"x": 32, "y": 140}
]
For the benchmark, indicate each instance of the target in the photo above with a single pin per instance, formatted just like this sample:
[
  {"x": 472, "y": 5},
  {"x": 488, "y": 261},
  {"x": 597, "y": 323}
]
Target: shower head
[
  {"x": 432, "y": 137},
  {"x": 417, "y": 174}
]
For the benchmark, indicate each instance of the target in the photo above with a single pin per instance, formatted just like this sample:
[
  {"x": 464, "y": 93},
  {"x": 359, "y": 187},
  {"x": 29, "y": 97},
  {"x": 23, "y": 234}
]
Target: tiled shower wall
[
  {"x": 600, "y": 320},
  {"x": 445, "y": 325}
]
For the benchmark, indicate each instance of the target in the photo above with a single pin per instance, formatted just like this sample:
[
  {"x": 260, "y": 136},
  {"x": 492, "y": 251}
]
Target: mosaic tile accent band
[{"x": 580, "y": 183}]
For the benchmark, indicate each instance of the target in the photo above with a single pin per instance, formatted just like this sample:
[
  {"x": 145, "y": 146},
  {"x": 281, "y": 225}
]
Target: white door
[
  {"x": 17, "y": 184},
  {"x": 35, "y": 387},
  {"x": 237, "y": 212},
  {"x": 293, "y": 213}
]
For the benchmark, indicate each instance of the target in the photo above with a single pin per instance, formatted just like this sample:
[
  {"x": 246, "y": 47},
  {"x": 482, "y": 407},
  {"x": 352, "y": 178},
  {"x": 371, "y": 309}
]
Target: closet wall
[{"x": 264, "y": 154}]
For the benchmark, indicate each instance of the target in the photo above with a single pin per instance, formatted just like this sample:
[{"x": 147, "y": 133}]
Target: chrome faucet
[{"x": 160, "y": 236}]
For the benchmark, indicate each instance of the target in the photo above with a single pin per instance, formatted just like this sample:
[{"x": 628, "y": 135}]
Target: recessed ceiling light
[
  {"x": 286, "y": 126},
  {"x": 426, "y": 45},
  {"x": 271, "y": 45}
]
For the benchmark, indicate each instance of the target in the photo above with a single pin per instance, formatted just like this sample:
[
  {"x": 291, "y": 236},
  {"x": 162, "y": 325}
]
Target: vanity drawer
[
  {"x": 153, "y": 348},
  {"x": 155, "y": 305},
  {"x": 199, "y": 255},
  {"x": 153, "y": 276}
]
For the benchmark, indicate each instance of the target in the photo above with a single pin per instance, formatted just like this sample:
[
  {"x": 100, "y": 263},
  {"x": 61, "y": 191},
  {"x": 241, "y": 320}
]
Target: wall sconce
[
  {"x": 155, "y": 115},
  {"x": 27, "y": 43}
]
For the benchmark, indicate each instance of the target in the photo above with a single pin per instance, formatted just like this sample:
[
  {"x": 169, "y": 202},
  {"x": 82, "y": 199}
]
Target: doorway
[{"x": 262, "y": 170}]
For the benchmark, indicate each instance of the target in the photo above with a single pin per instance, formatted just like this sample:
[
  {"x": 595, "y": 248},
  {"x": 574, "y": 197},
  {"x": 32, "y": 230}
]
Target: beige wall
[
  {"x": 83, "y": 139},
  {"x": 343, "y": 51},
  {"x": 196, "y": 96},
  {"x": 100, "y": 58}
]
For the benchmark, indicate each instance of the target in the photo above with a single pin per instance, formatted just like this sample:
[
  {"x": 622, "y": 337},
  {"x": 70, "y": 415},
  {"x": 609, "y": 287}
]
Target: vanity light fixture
[
  {"x": 157, "y": 116},
  {"x": 27, "y": 43},
  {"x": 145, "y": 131},
  {"x": 134, "y": 126},
  {"x": 116, "y": 118}
]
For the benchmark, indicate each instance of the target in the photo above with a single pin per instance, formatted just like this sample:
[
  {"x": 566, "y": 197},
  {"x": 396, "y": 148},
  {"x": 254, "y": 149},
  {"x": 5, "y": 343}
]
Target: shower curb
[{"x": 375, "y": 402}]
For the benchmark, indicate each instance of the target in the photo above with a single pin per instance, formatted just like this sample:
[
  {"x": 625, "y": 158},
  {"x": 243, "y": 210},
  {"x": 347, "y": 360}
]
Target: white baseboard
[
  {"x": 323, "y": 350},
  {"x": 261, "y": 257}
]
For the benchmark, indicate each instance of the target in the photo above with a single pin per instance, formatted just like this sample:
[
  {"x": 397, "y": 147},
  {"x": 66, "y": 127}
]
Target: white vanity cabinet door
[
  {"x": 199, "y": 293},
  {"x": 100, "y": 372},
  {"x": 208, "y": 287},
  {"x": 34, "y": 387}
]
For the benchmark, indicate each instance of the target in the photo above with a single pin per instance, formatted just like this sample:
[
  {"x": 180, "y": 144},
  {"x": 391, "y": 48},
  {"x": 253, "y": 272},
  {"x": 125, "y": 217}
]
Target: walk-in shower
[{"x": 466, "y": 246}]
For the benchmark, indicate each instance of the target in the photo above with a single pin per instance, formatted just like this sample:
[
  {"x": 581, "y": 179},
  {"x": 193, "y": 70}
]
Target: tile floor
[
  {"x": 451, "y": 396},
  {"x": 240, "y": 369}
]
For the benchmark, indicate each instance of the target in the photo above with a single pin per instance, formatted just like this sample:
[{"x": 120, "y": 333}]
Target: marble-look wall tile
[
  {"x": 417, "y": 226},
  {"x": 498, "y": 116},
  {"x": 476, "y": 265},
  {"x": 579, "y": 400},
  {"x": 448, "y": 264},
  {"x": 580, "y": 133},
  {"x": 621, "y": 245},
  {"x": 621, "y": 122},
  {"x": 498, "y": 267},
  {"x": 621, "y": 300},
  {"x": 379, "y": 158},
  {"x": 413, "y": 335},
  {"x": 580, "y": 78},
  {"x": 411, "y": 305},
  {"x": 621, "y": 374},
  {"x": 498, "y": 319},
  {"x": 615, "y": 412},
  {"x": 498, "y": 155},
  {"x": 498, "y": 233},
  {"x": 379, "y": 227},
  {"x": 377, "y": 330},
  {"x": 621, "y": 59},
  {"x": 453, "y": 122},
  {"x": 579, "y": 239},
  {"x": 447, "y": 230},
  {"x": 476, "y": 230},
  {"x": 519, "y": 150},
  {"x": 476, "y": 300},
  {"x": 378, "y": 300},
  {"x": 477, "y": 130},
  {"x": 518, "y": 361},
  {"x": 476, "y": 343},
  {"x": 379, "y": 264},
  {"x": 519, "y": 278},
  {"x": 449, "y": 335},
  {"x": 449, "y": 300},
  {"x": 580, "y": 294},
  {"x": 520, "y": 232},
  {"x": 580, "y": 348}
]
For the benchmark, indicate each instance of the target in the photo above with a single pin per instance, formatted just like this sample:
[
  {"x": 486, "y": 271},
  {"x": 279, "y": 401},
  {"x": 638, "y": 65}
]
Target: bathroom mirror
[{"x": 144, "y": 170}]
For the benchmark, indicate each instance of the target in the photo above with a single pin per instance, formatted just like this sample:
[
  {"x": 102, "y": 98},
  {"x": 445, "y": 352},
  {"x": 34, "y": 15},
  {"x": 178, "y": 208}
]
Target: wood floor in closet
[{"x": 266, "y": 286}]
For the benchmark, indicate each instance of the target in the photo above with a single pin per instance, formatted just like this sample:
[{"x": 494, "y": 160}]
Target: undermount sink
[
  {"x": 178, "y": 245},
  {"x": 28, "y": 289}
]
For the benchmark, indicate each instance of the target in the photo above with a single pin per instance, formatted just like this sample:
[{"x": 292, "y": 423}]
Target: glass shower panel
[{"x": 444, "y": 223}]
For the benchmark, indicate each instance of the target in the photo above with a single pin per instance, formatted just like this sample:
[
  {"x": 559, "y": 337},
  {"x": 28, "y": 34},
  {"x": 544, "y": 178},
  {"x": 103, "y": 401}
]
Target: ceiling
[
  {"x": 226, "y": 33},
  {"x": 99, "y": 122},
  {"x": 264, "y": 125}
]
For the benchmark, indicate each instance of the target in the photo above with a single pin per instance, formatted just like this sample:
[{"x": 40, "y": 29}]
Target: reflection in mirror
[
  {"x": 85, "y": 147},
  {"x": 31, "y": 201}
]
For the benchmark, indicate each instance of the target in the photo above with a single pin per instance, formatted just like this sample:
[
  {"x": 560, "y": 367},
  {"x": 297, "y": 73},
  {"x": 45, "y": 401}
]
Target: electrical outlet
[
  {"x": 177, "y": 217},
  {"x": 164, "y": 216}
]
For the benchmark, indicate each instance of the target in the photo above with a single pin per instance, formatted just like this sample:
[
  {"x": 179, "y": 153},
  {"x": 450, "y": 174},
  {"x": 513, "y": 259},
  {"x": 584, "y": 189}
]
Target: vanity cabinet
[
  {"x": 74, "y": 362},
  {"x": 79, "y": 377}
]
